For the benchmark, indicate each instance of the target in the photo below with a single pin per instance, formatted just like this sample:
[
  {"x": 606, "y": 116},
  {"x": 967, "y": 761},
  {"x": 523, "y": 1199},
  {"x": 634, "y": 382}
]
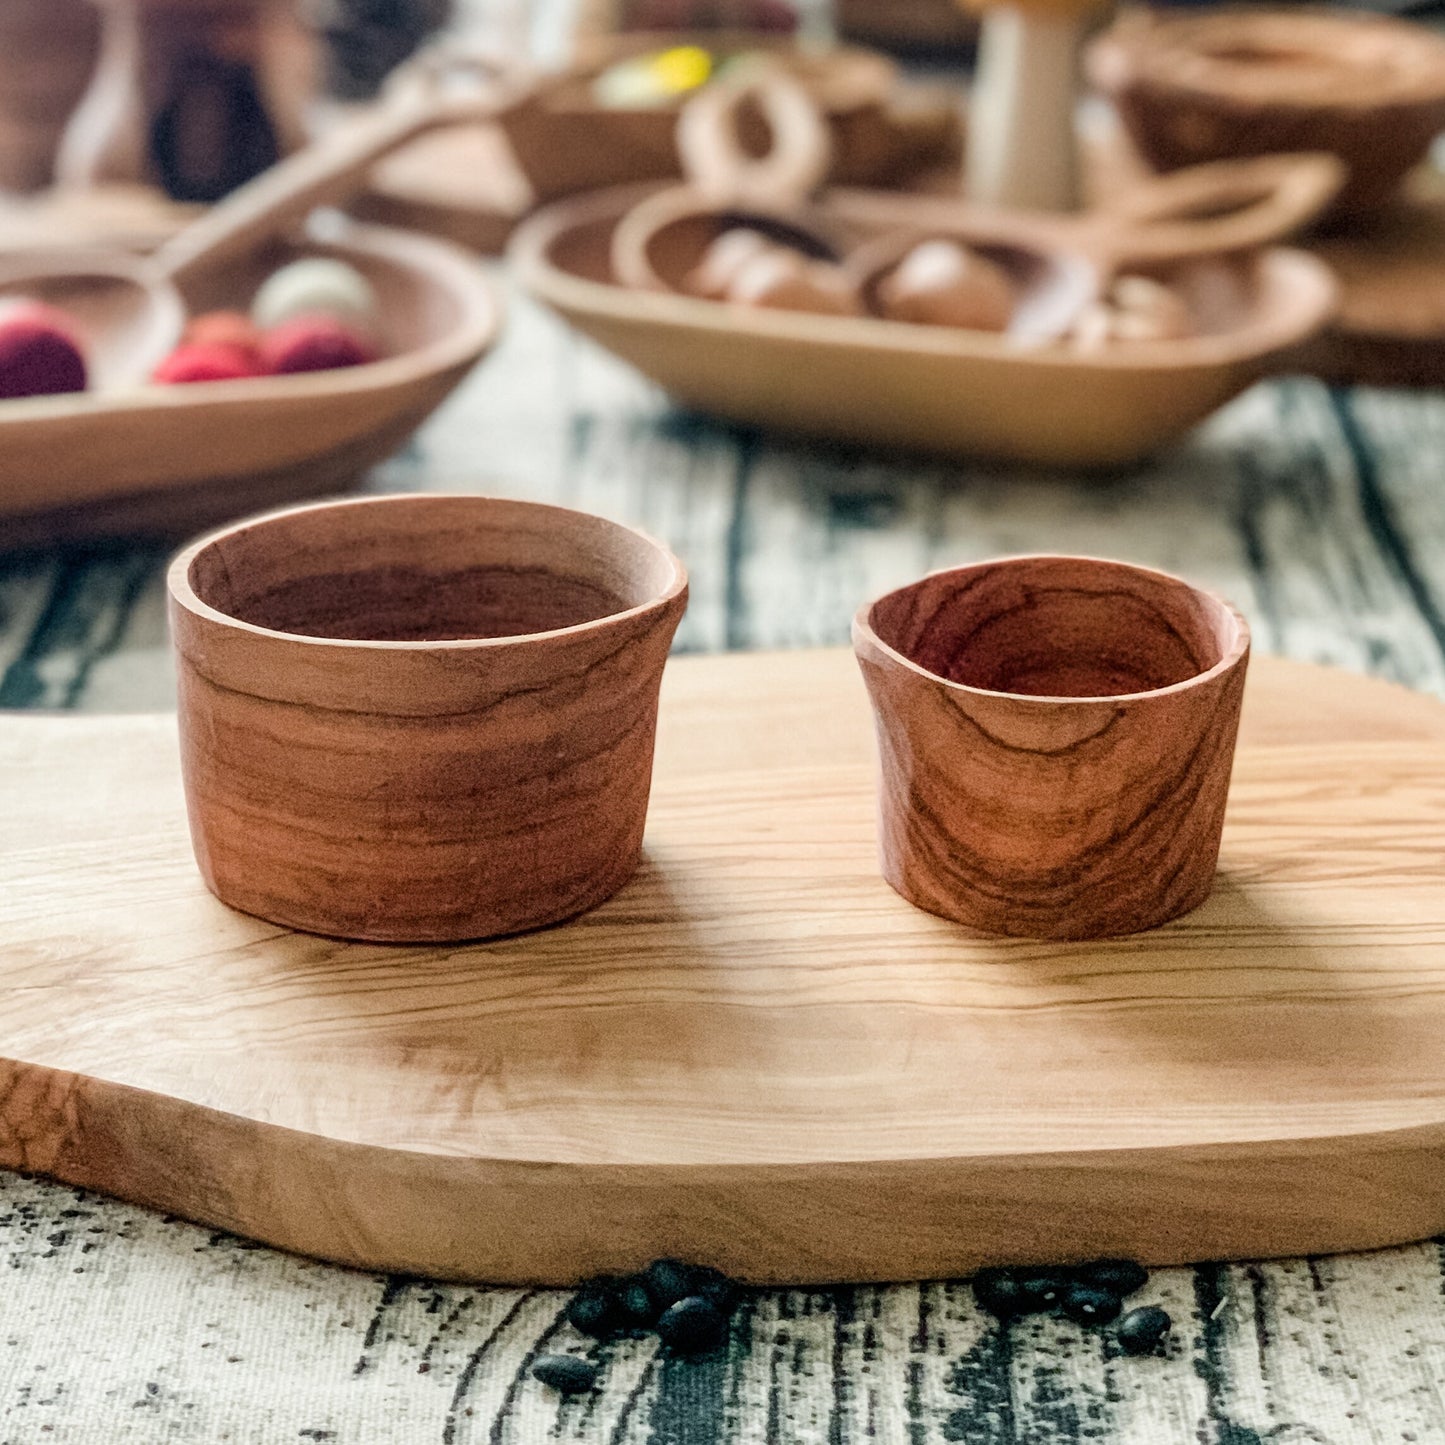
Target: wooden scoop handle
[
  {"x": 330, "y": 171},
  {"x": 721, "y": 171},
  {"x": 1223, "y": 207}
]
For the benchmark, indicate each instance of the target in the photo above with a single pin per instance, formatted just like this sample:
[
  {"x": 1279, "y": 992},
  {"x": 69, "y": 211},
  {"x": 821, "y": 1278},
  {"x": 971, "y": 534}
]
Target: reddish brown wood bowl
[
  {"x": 1235, "y": 82},
  {"x": 1056, "y": 736},
  {"x": 420, "y": 718}
]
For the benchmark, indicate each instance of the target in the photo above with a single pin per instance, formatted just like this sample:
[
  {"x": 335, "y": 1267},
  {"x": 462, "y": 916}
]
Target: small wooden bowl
[
  {"x": 420, "y": 718},
  {"x": 1235, "y": 82},
  {"x": 1056, "y": 737},
  {"x": 928, "y": 388},
  {"x": 165, "y": 460}
]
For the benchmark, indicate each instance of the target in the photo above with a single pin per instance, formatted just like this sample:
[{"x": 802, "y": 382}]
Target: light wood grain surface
[{"x": 1252, "y": 1080}]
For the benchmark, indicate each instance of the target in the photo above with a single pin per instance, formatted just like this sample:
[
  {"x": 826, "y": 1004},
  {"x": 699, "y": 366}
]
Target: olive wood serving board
[{"x": 756, "y": 1055}]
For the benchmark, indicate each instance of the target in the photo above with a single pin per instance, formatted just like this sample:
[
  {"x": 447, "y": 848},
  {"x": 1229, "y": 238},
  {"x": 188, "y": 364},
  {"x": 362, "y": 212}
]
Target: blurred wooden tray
[
  {"x": 756, "y": 1055},
  {"x": 166, "y": 461}
]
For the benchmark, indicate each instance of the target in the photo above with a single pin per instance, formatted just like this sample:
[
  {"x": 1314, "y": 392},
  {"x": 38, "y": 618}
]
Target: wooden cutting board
[{"x": 756, "y": 1055}]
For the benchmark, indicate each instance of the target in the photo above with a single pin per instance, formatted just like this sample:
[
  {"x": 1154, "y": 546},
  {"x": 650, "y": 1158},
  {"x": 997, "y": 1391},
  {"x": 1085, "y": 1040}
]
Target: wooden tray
[
  {"x": 756, "y": 1055},
  {"x": 166, "y": 461}
]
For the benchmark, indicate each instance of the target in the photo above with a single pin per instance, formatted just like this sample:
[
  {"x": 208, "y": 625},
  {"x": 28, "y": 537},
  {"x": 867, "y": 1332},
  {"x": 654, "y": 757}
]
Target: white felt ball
[{"x": 315, "y": 286}]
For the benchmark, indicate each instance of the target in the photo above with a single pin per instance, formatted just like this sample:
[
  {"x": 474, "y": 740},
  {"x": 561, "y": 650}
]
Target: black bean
[
  {"x": 594, "y": 1310},
  {"x": 1091, "y": 1306},
  {"x": 1118, "y": 1276},
  {"x": 1000, "y": 1293},
  {"x": 1142, "y": 1331},
  {"x": 569, "y": 1374},
  {"x": 669, "y": 1280},
  {"x": 715, "y": 1287},
  {"x": 692, "y": 1326},
  {"x": 1043, "y": 1289},
  {"x": 635, "y": 1306}
]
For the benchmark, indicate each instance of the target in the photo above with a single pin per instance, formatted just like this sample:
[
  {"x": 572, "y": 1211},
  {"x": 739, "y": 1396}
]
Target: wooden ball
[
  {"x": 40, "y": 353},
  {"x": 941, "y": 283},
  {"x": 314, "y": 343},
  {"x": 316, "y": 286},
  {"x": 786, "y": 281}
]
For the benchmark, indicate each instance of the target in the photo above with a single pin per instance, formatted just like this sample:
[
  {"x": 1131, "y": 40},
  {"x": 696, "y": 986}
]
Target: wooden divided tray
[{"x": 756, "y": 1055}]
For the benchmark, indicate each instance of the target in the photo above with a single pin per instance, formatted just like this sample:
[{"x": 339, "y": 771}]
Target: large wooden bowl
[
  {"x": 927, "y": 388},
  {"x": 167, "y": 460}
]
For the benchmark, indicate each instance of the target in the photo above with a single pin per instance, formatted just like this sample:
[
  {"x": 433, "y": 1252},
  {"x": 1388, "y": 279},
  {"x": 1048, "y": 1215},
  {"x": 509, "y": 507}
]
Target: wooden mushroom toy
[
  {"x": 1021, "y": 147},
  {"x": 742, "y": 227}
]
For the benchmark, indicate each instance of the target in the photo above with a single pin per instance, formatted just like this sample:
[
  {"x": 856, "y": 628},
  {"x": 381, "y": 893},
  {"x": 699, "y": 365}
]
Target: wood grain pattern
[
  {"x": 667, "y": 1069},
  {"x": 1056, "y": 736},
  {"x": 420, "y": 718}
]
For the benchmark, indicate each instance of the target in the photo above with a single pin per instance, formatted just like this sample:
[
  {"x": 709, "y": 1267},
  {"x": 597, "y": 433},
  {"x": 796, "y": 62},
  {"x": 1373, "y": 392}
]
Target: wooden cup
[
  {"x": 420, "y": 718},
  {"x": 1056, "y": 735}
]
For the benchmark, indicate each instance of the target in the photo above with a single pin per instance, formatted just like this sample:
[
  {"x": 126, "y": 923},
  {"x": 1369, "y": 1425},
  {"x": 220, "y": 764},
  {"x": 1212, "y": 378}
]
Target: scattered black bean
[
  {"x": 1119, "y": 1276},
  {"x": 1000, "y": 1293},
  {"x": 668, "y": 1280},
  {"x": 635, "y": 1306},
  {"x": 568, "y": 1374},
  {"x": 1090, "y": 1306},
  {"x": 692, "y": 1326},
  {"x": 594, "y": 1310},
  {"x": 716, "y": 1288},
  {"x": 1043, "y": 1289},
  {"x": 1142, "y": 1331}
]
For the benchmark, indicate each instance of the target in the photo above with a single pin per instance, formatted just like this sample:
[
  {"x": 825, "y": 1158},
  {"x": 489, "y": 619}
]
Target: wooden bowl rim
[
  {"x": 439, "y": 263},
  {"x": 866, "y": 636},
  {"x": 182, "y": 594},
  {"x": 1313, "y": 282},
  {"x": 1145, "y": 52}
]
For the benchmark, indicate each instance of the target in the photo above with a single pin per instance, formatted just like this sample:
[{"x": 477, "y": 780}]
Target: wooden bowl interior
[
  {"x": 1224, "y": 295},
  {"x": 416, "y": 309},
  {"x": 126, "y": 322},
  {"x": 1050, "y": 287},
  {"x": 428, "y": 569},
  {"x": 1057, "y": 627},
  {"x": 674, "y": 250}
]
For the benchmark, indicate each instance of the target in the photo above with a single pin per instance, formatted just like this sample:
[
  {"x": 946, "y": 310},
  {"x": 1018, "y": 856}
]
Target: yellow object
[{"x": 654, "y": 79}]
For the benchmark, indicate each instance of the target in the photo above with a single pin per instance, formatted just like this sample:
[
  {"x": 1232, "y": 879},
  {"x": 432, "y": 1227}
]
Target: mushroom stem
[{"x": 1021, "y": 147}]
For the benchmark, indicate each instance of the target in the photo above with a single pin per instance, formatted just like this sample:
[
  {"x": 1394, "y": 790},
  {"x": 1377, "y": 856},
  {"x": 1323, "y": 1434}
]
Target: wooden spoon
[
  {"x": 1062, "y": 262},
  {"x": 660, "y": 240},
  {"x": 129, "y": 310}
]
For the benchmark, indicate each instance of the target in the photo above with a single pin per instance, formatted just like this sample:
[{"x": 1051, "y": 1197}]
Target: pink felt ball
[
  {"x": 207, "y": 361},
  {"x": 314, "y": 343},
  {"x": 40, "y": 354}
]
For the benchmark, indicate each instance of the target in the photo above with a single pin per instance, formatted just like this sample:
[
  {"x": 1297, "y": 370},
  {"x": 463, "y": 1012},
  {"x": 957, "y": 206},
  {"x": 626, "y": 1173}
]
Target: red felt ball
[
  {"x": 315, "y": 343},
  {"x": 40, "y": 354},
  {"x": 224, "y": 328},
  {"x": 207, "y": 361}
]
